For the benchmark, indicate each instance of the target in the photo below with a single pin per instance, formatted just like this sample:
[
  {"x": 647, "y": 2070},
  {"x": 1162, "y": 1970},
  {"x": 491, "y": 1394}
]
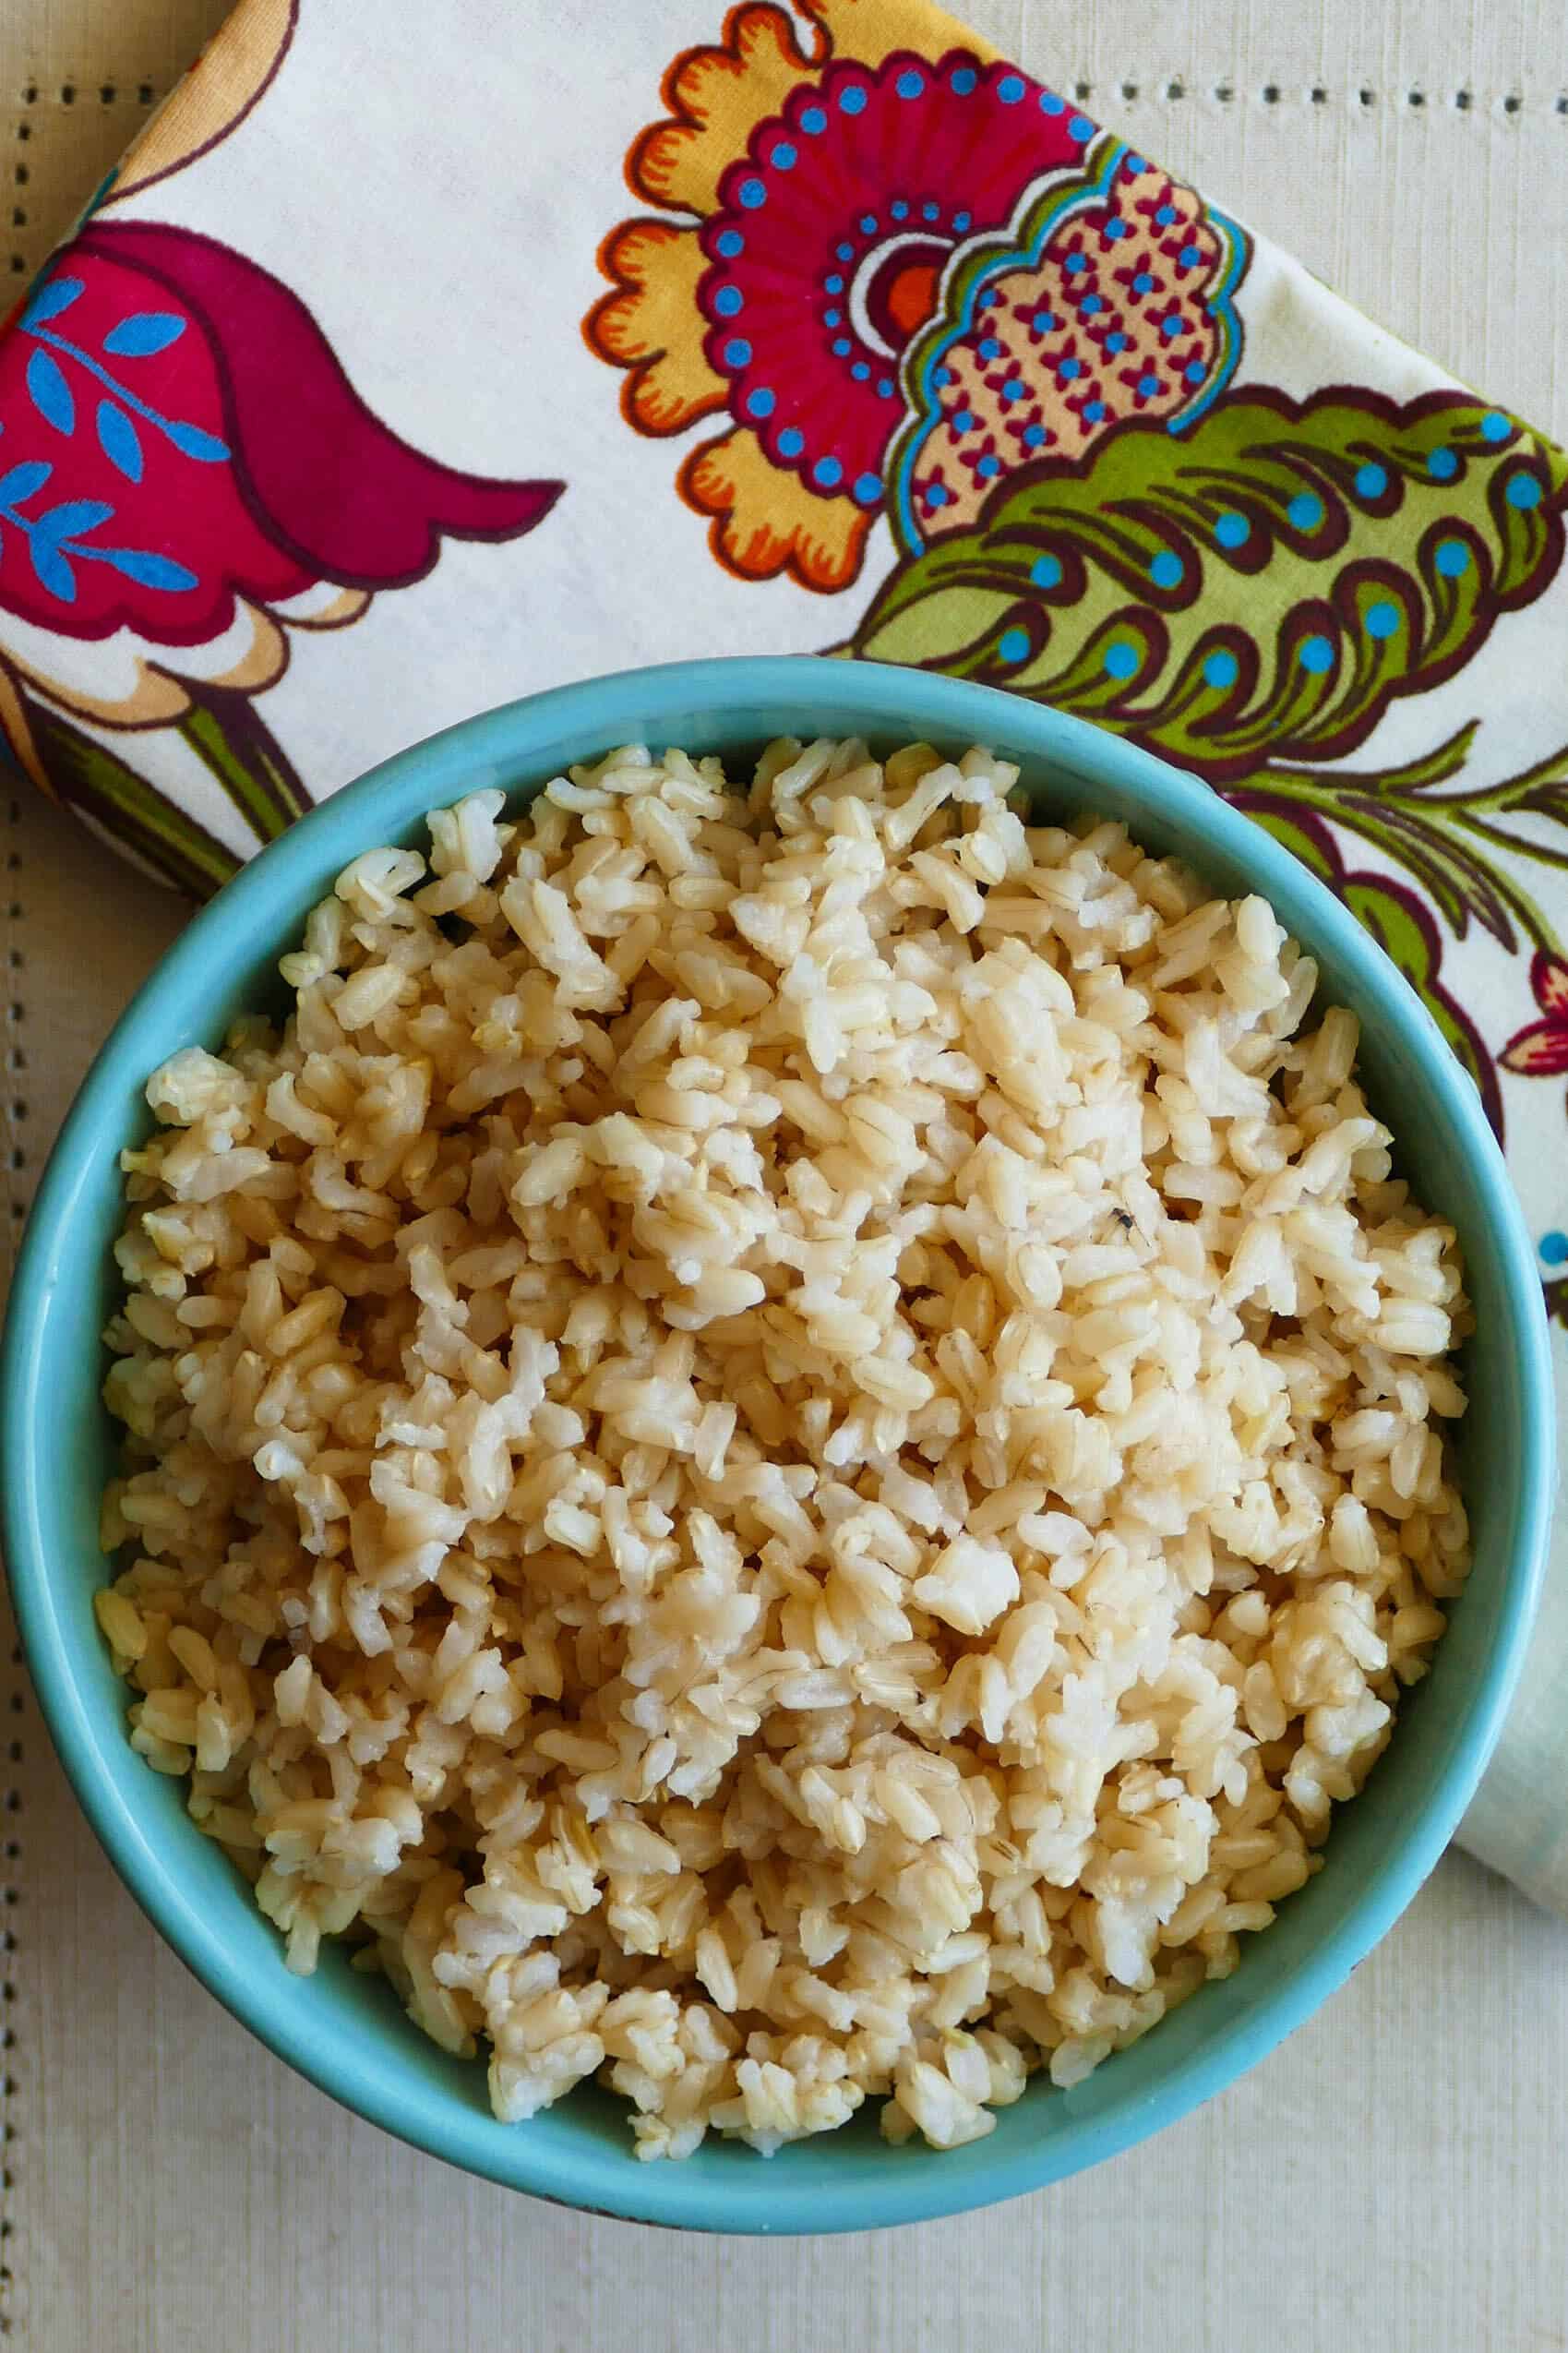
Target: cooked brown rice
[{"x": 779, "y": 1449}]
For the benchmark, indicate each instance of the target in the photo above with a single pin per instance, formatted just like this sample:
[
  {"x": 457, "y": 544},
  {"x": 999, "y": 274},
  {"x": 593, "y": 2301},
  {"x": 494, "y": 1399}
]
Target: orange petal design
[
  {"x": 717, "y": 97},
  {"x": 765, "y": 522},
  {"x": 651, "y": 325},
  {"x": 236, "y": 69},
  {"x": 873, "y": 29}
]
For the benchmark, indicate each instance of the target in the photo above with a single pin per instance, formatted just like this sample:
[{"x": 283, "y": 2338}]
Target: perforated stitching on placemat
[
  {"x": 28, "y": 251},
  {"x": 1132, "y": 90},
  {"x": 30, "y": 238}
]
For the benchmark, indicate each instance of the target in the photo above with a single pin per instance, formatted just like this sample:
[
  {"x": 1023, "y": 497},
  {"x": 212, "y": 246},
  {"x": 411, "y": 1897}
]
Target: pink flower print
[
  {"x": 1027, "y": 429},
  {"x": 960, "y": 421},
  {"x": 1040, "y": 320},
  {"x": 934, "y": 490},
  {"x": 982, "y": 460},
  {"x": 1072, "y": 365},
  {"x": 1141, "y": 284},
  {"x": 1078, "y": 266},
  {"x": 1144, "y": 383},
  {"x": 1091, "y": 407}
]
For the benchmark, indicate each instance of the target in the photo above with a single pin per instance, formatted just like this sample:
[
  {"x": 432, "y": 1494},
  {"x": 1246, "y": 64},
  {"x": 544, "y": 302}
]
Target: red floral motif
[
  {"x": 210, "y": 449},
  {"x": 842, "y": 206},
  {"x": 187, "y": 470},
  {"x": 1540, "y": 1049}
]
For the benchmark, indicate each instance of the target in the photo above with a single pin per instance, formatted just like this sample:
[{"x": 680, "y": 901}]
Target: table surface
[{"x": 1392, "y": 2176}]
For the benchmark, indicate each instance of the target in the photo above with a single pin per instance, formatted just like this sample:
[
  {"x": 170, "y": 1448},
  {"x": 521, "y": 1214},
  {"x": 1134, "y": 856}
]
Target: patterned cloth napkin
[{"x": 394, "y": 376}]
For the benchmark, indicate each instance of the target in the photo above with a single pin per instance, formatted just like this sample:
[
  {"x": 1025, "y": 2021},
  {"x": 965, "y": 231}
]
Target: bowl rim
[{"x": 883, "y": 699}]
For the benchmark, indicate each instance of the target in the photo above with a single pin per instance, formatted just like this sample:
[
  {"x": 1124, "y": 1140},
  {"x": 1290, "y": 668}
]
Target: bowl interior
[{"x": 347, "y": 2032}]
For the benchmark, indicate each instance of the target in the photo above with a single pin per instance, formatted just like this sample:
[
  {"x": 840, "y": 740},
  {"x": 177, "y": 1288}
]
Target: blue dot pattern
[
  {"x": 1013, "y": 646},
  {"x": 1554, "y": 1247}
]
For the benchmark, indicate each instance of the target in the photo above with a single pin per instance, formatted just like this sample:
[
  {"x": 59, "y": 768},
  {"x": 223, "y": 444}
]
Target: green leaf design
[
  {"x": 1255, "y": 590},
  {"x": 92, "y": 778},
  {"x": 222, "y": 729},
  {"x": 1448, "y": 841}
]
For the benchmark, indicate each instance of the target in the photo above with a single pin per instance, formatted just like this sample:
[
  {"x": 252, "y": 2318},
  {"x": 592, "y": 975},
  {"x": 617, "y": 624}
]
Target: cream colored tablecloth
[{"x": 1394, "y": 2178}]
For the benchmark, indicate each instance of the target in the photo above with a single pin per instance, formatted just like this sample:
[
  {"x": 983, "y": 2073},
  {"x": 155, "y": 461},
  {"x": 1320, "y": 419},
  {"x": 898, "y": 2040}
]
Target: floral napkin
[{"x": 396, "y": 375}]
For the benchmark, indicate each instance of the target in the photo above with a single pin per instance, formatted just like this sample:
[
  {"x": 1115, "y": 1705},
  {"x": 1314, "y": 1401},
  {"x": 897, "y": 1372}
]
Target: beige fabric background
[{"x": 1394, "y": 2177}]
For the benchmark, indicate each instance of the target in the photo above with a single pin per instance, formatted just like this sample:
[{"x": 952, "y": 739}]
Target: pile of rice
[{"x": 783, "y": 1448}]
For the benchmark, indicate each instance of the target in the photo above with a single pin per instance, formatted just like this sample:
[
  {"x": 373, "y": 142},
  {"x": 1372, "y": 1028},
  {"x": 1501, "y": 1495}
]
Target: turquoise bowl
[{"x": 346, "y": 2031}]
